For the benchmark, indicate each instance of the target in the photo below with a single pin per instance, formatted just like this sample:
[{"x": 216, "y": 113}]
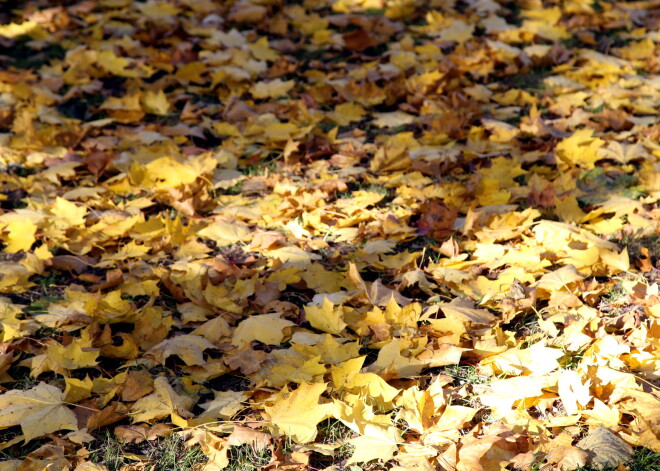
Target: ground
[{"x": 351, "y": 234}]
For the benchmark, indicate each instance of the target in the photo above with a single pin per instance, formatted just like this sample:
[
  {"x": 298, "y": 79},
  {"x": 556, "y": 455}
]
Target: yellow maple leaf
[
  {"x": 464, "y": 310},
  {"x": 346, "y": 376},
  {"x": 298, "y": 414},
  {"x": 225, "y": 404},
  {"x": 129, "y": 102},
  {"x": 39, "y": 411},
  {"x": 538, "y": 360},
  {"x": 638, "y": 49},
  {"x": 391, "y": 362},
  {"x": 293, "y": 256},
  {"x": 293, "y": 368},
  {"x": 162, "y": 402},
  {"x": 77, "y": 354},
  {"x": 281, "y": 131},
  {"x": 375, "y": 443},
  {"x": 563, "y": 278},
  {"x": 580, "y": 149},
  {"x": 226, "y": 233},
  {"x": 602, "y": 414},
  {"x": 261, "y": 50},
  {"x": 156, "y": 102},
  {"x": 573, "y": 392},
  {"x": 21, "y": 235},
  {"x": 130, "y": 250},
  {"x": 190, "y": 348},
  {"x": 543, "y": 22},
  {"x": 457, "y": 31},
  {"x": 266, "y": 328},
  {"x": 392, "y": 120},
  {"x": 273, "y": 89},
  {"x": 329, "y": 350},
  {"x": 446, "y": 428},
  {"x": 78, "y": 389},
  {"x": 67, "y": 214},
  {"x": 326, "y": 317},
  {"x": 347, "y": 113},
  {"x": 504, "y": 393},
  {"x": 164, "y": 173}
]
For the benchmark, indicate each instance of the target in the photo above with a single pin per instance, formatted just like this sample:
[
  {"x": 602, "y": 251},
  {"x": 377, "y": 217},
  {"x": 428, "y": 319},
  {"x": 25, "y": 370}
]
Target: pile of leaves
[{"x": 358, "y": 234}]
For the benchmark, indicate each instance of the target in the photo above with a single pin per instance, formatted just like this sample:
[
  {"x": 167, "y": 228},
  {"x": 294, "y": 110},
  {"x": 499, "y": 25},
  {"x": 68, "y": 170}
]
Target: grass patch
[
  {"x": 40, "y": 306},
  {"x": 19, "y": 451},
  {"x": 172, "y": 454},
  {"x": 643, "y": 460},
  {"x": 23, "y": 379},
  {"x": 110, "y": 452},
  {"x": 635, "y": 244},
  {"x": 616, "y": 293},
  {"x": 599, "y": 185},
  {"x": 260, "y": 169},
  {"x": 333, "y": 432},
  {"x": 531, "y": 81},
  {"x": 26, "y": 57},
  {"x": 247, "y": 457},
  {"x": 571, "y": 360},
  {"x": 235, "y": 189},
  {"x": 465, "y": 374},
  {"x": 164, "y": 454}
]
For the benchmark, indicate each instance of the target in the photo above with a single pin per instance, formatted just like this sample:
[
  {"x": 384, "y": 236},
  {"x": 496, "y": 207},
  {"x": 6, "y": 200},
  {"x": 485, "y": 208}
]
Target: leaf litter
[{"x": 360, "y": 234}]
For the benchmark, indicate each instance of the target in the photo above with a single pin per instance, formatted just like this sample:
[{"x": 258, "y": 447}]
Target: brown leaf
[
  {"x": 605, "y": 448},
  {"x": 358, "y": 40},
  {"x": 138, "y": 384},
  {"x": 140, "y": 433},
  {"x": 247, "y": 361},
  {"x": 131, "y": 433},
  {"x": 97, "y": 162},
  {"x": 73, "y": 263},
  {"x": 95, "y": 419},
  {"x": 436, "y": 220},
  {"x": 113, "y": 278},
  {"x": 247, "y": 12}
]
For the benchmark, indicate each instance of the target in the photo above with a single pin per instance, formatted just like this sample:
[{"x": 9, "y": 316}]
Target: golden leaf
[{"x": 298, "y": 413}]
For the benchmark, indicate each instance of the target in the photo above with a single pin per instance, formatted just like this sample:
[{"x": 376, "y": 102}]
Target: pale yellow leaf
[
  {"x": 225, "y": 405},
  {"x": 162, "y": 402},
  {"x": 226, "y": 233},
  {"x": 39, "y": 411},
  {"x": 326, "y": 318},
  {"x": 266, "y": 328},
  {"x": 273, "y": 89},
  {"x": 376, "y": 443},
  {"x": 190, "y": 348},
  {"x": 573, "y": 392}
]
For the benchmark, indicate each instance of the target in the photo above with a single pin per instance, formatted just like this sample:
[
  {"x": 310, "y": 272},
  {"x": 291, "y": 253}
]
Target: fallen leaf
[
  {"x": 298, "y": 414},
  {"x": 39, "y": 411}
]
